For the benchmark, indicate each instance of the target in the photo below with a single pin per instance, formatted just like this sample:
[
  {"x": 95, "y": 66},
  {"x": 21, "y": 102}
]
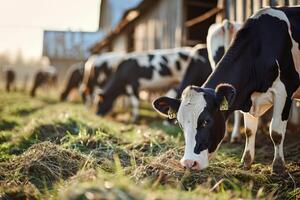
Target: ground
[{"x": 53, "y": 150}]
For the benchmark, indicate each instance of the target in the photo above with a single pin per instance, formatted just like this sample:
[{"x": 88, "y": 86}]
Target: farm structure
[
  {"x": 172, "y": 23},
  {"x": 65, "y": 48}
]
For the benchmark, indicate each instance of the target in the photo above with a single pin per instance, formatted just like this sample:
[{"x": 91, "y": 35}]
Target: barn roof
[{"x": 128, "y": 18}]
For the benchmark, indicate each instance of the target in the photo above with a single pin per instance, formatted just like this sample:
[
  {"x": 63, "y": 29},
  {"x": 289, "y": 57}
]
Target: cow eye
[{"x": 204, "y": 123}]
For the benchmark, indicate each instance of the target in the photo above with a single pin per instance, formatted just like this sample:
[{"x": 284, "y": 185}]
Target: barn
[
  {"x": 172, "y": 23},
  {"x": 64, "y": 48}
]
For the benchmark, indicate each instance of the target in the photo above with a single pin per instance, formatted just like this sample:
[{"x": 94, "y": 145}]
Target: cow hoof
[
  {"x": 247, "y": 161},
  {"x": 278, "y": 166}
]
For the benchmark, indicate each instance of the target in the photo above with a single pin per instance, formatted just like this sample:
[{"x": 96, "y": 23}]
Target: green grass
[{"x": 53, "y": 150}]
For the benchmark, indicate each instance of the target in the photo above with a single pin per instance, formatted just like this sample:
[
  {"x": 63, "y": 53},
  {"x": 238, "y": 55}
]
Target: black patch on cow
[
  {"x": 197, "y": 72},
  {"x": 164, "y": 70},
  {"x": 292, "y": 14},
  {"x": 183, "y": 56},
  {"x": 178, "y": 65},
  {"x": 208, "y": 137},
  {"x": 74, "y": 80},
  {"x": 150, "y": 57},
  {"x": 128, "y": 73},
  {"x": 165, "y": 59},
  {"x": 219, "y": 54}
]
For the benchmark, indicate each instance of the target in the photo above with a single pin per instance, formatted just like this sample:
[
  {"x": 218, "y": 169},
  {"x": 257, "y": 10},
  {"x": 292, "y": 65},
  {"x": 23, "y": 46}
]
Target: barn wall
[
  {"x": 119, "y": 44},
  {"x": 160, "y": 28},
  {"x": 240, "y": 10}
]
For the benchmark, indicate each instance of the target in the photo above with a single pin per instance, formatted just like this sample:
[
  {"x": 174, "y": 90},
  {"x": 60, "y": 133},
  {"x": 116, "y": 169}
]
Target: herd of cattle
[{"x": 249, "y": 68}]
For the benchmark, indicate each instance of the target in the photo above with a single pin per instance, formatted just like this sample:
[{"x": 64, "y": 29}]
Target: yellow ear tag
[
  {"x": 224, "y": 104},
  {"x": 172, "y": 114}
]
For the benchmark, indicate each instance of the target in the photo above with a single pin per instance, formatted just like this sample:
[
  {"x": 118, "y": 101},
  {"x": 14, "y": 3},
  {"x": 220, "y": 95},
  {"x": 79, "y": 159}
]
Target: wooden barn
[
  {"x": 173, "y": 23},
  {"x": 64, "y": 48}
]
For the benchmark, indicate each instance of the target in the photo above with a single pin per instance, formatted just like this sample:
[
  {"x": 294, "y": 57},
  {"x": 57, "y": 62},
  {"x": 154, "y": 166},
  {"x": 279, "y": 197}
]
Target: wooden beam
[{"x": 202, "y": 17}]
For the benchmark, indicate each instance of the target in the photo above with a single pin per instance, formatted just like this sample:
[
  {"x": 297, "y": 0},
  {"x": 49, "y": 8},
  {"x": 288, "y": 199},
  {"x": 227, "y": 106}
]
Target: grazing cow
[
  {"x": 47, "y": 75},
  {"x": 73, "y": 81},
  {"x": 260, "y": 69},
  {"x": 97, "y": 71},
  {"x": 218, "y": 39},
  {"x": 154, "y": 70},
  {"x": 10, "y": 76}
]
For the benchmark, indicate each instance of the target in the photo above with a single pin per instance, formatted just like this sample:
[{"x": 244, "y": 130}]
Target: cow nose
[{"x": 190, "y": 164}]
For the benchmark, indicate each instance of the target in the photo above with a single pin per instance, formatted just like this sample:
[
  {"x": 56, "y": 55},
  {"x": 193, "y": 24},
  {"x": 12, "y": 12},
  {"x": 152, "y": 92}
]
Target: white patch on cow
[
  {"x": 158, "y": 81},
  {"x": 172, "y": 93},
  {"x": 251, "y": 123},
  {"x": 134, "y": 102},
  {"x": 236, "y": 126},
  {"x": 101, "y": 78},
  {"x": 220, "y": 35},
  {"x": 113, "y": 59},
  {"x": 193, "y": 103}
]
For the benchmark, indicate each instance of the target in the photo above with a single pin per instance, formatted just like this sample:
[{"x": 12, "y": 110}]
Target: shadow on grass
[
  {"x": 23, "y": 112},
  {"x": 50, "y": 132},
  {"x": 7, "y": 125}
]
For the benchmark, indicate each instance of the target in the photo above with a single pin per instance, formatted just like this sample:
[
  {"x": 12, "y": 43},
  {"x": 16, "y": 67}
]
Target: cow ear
[
  {"x": 166, "y": 106},
  {"x": 225, "y": 95}
]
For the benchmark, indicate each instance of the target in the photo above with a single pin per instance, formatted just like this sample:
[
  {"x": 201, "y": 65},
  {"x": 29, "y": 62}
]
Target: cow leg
[
  {"x": 251, "y": 124},
  {"x": 132, "y": 91},
  {"x": 236, "y": 127},
  {"x": 277, "y": 131}
]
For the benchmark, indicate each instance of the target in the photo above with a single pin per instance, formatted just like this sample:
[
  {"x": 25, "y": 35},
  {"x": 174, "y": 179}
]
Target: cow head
[{"x": 200, "y": 115}]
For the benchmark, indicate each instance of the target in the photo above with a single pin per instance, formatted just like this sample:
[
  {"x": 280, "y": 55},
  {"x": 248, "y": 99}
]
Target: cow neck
[{"x": 237, "y": 69}]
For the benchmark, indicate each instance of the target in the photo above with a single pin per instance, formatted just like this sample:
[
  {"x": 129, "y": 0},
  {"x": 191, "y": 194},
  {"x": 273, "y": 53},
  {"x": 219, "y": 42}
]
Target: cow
[
  {"x": 73, "y": 79},
  {"x": 98, "y": 69},
  {"x": 218, "y": 39},
  {"x": 152, "y": 70},
  {"x": 46, "y": 75},
  {"x": 260, "y": 69},
  {"x": 10, "y": 77}
]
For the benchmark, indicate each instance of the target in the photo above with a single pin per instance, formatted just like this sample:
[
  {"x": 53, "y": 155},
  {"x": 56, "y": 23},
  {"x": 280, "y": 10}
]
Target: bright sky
[{"x": 22, "y": 22}]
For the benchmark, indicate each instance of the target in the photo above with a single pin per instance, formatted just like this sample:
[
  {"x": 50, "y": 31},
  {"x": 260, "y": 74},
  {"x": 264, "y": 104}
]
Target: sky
[{"x": 22, "y": 22}]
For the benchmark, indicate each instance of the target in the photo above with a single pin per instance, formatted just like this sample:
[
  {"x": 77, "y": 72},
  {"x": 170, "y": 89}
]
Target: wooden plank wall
[
  {"x": 160, "y": 28},
  {"x": 240, "y": 10}
]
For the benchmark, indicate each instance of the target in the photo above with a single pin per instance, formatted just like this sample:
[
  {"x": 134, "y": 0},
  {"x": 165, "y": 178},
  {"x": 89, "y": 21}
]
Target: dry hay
[{"x": 42, "y": 165}]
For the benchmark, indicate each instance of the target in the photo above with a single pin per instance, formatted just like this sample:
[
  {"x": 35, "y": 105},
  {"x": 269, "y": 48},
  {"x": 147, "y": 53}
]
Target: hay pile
[{"x": 42, "y": 165}]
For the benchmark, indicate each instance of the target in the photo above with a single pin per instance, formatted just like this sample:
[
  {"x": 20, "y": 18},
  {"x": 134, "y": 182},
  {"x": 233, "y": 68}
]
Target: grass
[{"x": 53, "y": 150}]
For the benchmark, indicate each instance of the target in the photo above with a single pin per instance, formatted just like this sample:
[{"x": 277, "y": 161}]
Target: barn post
[
  {"x": 257, "y": 4},
  {"x": 241, "y": 10},
  {"x": 221, "y": 15}
]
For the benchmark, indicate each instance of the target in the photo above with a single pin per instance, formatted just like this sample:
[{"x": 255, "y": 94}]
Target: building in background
[
  {"x": 156, "y": 24},
  {"x": 64, "y": 48}
]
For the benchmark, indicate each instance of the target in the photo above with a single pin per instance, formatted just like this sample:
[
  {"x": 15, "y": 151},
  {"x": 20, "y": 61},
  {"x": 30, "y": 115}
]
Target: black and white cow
[
  {"x": 97, "y": 70},
  {"x": 73, "y": 80},
  {"x": 153, "y": 70},
  {"x": 10, "y": 77},
  {"x": 46, "y": 75},
  {"x": 260, "y": 69},
  {"x": 218, "y": 39}
]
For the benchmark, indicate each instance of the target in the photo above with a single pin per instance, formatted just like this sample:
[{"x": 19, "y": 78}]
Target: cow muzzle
[{"x": 196, "y": 162}]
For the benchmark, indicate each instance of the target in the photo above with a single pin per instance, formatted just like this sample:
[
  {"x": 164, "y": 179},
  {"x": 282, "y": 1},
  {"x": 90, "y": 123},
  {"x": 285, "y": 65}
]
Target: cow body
[
  {"x": 97, "y": 70},
  {"x": 73, "y": 81},
  {"x": 154, "y": 70},
  {"x": 261, "y": 69},
  {"x": 47, "y": 75},
  {"x": 10, "y": 77},
  {"x": 218, "y": 40}
]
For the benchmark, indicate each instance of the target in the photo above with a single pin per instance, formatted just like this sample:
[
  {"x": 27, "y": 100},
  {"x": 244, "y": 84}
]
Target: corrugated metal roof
[{"x": 69, "y": 44}]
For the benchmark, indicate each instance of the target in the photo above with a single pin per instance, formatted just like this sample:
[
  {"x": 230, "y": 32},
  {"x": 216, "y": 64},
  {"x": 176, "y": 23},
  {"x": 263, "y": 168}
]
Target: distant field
[{"x": 53, "y": 150}]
